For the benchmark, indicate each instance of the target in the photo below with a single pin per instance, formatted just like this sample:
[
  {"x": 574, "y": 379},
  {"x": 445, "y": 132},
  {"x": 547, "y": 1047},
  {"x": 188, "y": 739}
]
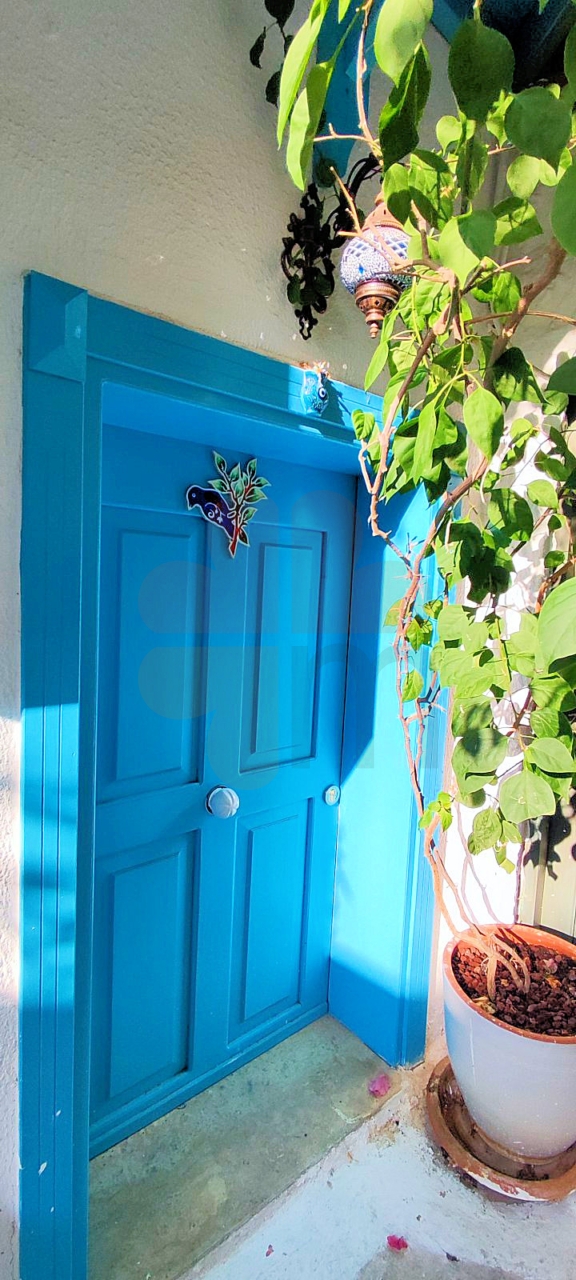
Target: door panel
[{"x": 211, "y": 937}]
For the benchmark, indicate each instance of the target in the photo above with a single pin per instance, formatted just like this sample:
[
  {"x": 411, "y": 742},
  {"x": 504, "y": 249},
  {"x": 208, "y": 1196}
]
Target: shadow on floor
[
  {"x": 163, "y": 1198},
  {"x": 415, "y": 1265}
]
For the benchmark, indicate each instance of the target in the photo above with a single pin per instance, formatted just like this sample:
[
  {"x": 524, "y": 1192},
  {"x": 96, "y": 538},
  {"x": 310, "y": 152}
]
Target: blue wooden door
[{"x": 211, "y": 936}]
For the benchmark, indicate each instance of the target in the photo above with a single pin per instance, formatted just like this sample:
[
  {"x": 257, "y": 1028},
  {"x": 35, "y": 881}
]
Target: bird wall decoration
[{"x": 230, "y": 499}]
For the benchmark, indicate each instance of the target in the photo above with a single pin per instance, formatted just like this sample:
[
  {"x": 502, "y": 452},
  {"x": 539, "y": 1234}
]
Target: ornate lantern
[{"x": 371, "y": 265}]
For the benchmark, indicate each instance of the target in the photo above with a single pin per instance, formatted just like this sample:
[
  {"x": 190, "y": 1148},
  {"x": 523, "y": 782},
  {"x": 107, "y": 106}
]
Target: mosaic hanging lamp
[{"x": 371, "y": 265}]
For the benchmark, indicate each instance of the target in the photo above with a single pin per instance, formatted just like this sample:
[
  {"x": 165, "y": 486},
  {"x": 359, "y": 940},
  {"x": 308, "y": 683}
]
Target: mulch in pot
[{"x": 549, "y": 1008}]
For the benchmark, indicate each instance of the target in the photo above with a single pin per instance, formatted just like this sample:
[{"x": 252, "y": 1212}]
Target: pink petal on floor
[
  {"x": 270, "y": 1250},
  {"x": 396, "y": 1242},
  {"x": 380, "y": 1086}
]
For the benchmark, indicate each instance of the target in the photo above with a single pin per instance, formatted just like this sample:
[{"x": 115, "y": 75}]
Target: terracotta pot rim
[{"x": 531, "y": 933}]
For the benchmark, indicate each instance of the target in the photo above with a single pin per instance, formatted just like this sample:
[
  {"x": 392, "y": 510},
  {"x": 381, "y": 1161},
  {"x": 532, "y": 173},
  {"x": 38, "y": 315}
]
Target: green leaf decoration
[
  {"x": 557, "y": 623},
  {"x": 480, "y": 66},
  {"x": 296, "y": 61},
  {"x": 543, "y": 494},
  {"x": 399, "y": 30},
  {"x": 220, "y": 485},
  {"x": 220, "y": 463},
  {"x": 550, "y": 755},
  {"x": 526, "y": 796},
  {"x": 539, "y": 124},
  {"x": 484, "y": 420},
  {"x": 486, "y": 831},
  {"x": 564, "y": 377},
  {"x": 523, "y": 176},
  {"x": 516, "y": 221},
  {"x": 413, "y": 686},
  {"x": 400, "y": 118},
  {"x": 563, "y": 220},
  {"x": 304, "y": 122},
  {"x": 252, "y": 467}
]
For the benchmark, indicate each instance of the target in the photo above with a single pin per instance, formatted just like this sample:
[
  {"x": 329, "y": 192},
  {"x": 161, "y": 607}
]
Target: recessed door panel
[
  {"x": 145, "y": 925},
  {"x": 212, "y": 936},
  {"x": 280, "y": 678}
]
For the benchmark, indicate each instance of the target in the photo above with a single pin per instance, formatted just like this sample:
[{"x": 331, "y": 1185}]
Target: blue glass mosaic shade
[{"x": 363, "y": 260}]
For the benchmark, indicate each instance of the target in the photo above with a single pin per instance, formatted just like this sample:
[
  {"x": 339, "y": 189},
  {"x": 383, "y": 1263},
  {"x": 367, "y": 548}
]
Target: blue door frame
[{"x": 74, "y": 344}]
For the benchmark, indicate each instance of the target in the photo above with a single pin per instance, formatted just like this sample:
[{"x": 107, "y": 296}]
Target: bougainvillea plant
[{"x": 454, "y": 373}]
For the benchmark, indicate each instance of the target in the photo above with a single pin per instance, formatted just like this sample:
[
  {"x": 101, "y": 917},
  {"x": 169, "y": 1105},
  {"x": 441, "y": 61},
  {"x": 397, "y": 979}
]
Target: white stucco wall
[{"x": 138, "y": 159}]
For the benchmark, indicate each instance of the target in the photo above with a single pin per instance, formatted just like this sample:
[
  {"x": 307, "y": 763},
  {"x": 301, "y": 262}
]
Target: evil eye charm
[{"x": 314, "y": 394}]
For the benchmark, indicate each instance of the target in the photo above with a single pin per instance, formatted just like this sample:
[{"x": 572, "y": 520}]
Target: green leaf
[
  {"x": 539, "y": 124},
  {"x": 434, "y": 607},
  {"x": 397, "y": 191},
  {"x": 472, "y": 799},
  {"x": 570, "y": 61},
  {"x": 413, "y": 686},
  {"x": 480, "y": 66},
  {"x": 470, "y": 714},
  {"x": 297, "y": 60},
  {"x": 304, "y": 122},
  {"x": 419, "y": 632},
  {"x": 380, "y": 356},
  {"x": 513, "y": 377},
  {"x": 543, "y": 494},
  {"x": 554, "y": 693},
  {"x": 424, "y": 441},
  {"x": 516, "y": 221},
  {"x": 526, "y": 796},
  {"x": 550, "y": 724},
  {"x": 550, "y": 755},
  {"x": 472, "y": 165},
  {"x": 466, "y": 239},
  {"x": 399, "y": 30},
  {"x": 511, "y": 514},
  {"x": 363, "y": 424},
  {"x": 484, "y": 420},
  {"x": 393, "y": 614},
  {"x": 279, "y": 9},
  {"x": 563, "y": 220},
  {"x": 486, "y": 831},
  {"x": 510, "y": 832},
  {"x": 257, "y": 49},
  {"x": 523, "y": 176},
  {"x": 557, "y": 623},
  {"x": 479, "y": 751},
  {"x": 448, "y": 131},
  {"x": 564, "y": 377},
  {"x": 401, "y": 116},
  {"x": 453, "y": 622},
  {"x": 506, "y": 292}
]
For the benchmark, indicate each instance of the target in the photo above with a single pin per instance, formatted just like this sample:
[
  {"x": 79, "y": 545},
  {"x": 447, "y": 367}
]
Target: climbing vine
[{"x": 500, "y": 482}]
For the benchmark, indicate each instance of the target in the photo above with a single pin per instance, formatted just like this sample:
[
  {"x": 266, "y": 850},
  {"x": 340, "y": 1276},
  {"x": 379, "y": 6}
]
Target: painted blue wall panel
[{"x": 380, "y": 952}]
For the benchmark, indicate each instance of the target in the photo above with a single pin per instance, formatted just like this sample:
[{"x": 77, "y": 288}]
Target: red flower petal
[
  {"x": 396, "y": 1242},
  {"x": 380, "y": 1086},
  {"x": 270, "y": 1250}
]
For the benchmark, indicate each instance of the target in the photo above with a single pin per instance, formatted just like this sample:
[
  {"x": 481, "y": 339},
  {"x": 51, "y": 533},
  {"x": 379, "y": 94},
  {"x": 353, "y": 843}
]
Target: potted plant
[{"x": 455, "y": 279}]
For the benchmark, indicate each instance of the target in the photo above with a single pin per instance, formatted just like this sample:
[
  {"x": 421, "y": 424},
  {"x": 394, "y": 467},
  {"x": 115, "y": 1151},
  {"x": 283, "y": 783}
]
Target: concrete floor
[
  {"x": 163, "y": 1198},
  {"x": 387, "y": 1178}
]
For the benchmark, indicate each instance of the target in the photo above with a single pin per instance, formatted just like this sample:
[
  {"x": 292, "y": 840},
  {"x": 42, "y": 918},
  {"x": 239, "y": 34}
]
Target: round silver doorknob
[
  {"x": 222, "y": 802},
  {"x": 332, "y": 795}
]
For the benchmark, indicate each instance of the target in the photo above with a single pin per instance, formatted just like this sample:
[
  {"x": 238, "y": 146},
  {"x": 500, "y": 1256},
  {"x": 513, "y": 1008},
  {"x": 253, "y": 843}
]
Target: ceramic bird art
[{"x": 212, "y": 505}]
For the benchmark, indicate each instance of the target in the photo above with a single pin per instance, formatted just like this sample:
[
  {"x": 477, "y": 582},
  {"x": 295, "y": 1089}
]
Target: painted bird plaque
[{"x": 230, "y": 499}]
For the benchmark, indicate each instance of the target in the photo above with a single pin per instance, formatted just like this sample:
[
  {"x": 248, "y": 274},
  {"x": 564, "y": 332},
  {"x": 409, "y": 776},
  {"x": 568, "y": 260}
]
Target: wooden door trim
[{"x": 73, "y": 343}]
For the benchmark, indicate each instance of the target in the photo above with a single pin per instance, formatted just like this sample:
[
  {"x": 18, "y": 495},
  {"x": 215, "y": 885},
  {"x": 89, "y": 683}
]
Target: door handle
[{"x": 222, "y": 802}]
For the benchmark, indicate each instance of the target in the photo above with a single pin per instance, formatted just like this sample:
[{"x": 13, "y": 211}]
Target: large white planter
[{"x": 519, "y": 1087}]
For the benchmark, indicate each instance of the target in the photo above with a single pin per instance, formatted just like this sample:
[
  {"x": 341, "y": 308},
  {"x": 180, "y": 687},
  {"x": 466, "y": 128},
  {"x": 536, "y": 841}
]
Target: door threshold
[{"x": 165, "y": 1197}]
